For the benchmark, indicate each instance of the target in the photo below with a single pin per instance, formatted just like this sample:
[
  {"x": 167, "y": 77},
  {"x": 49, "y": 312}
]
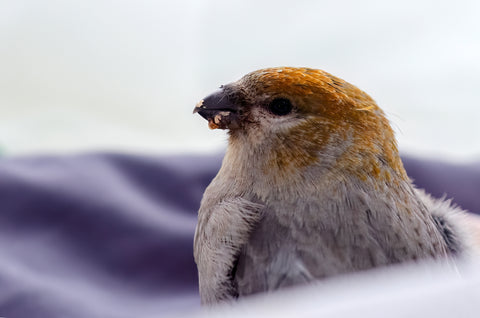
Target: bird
[{"x": 311, "y": 186}]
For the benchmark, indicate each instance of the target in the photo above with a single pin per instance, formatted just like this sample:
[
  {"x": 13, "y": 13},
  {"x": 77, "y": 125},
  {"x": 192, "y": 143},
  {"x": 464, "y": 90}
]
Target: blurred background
[{"x": 125, "y": 75}]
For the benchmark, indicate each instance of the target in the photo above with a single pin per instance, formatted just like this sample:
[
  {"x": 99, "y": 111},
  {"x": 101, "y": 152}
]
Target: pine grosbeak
[{"x": 311, "y": 186}]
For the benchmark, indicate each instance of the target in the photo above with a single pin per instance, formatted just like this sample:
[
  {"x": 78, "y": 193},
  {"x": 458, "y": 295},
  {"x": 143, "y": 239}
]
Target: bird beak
[{"x": 219, "y": 110}]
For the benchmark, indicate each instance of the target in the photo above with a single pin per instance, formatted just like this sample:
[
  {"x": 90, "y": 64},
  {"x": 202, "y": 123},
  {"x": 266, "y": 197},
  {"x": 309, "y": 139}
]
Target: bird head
[{"x": 293, "y": 118}]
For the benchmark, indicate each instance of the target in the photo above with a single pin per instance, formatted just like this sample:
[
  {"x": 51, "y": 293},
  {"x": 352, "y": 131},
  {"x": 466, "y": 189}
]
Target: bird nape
[{"x": 311, "y": 186}]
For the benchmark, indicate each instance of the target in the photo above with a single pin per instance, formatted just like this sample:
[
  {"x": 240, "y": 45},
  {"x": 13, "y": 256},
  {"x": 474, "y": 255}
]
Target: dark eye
[{"x": 280, "y": 106}]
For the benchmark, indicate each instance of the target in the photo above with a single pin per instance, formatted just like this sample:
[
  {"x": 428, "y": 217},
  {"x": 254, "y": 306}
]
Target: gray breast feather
[
  {"x": 269, "y": 260},
  {"x": 283, "y": 251}
]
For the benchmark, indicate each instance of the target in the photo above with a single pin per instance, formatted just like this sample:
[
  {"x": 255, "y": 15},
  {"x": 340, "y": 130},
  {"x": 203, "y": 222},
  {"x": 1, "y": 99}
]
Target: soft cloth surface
[{"x": 109, "y": 235}]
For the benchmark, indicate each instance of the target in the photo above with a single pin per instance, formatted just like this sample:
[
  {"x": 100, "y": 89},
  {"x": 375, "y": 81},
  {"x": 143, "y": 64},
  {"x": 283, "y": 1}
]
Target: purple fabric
[
  {"x": 460, "y": 182},
  {"x": 109, "y": 235}
]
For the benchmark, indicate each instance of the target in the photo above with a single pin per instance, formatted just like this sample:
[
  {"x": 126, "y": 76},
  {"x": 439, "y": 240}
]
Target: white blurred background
[{"x": 125, "y": 75}]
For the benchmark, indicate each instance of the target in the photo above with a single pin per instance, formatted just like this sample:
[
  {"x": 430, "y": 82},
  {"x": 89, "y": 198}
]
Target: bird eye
[{"x": 280, "y": 106}]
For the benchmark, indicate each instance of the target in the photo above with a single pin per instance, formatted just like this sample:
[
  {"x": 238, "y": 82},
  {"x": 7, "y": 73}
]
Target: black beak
[{"x": 220, "y": 111}]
